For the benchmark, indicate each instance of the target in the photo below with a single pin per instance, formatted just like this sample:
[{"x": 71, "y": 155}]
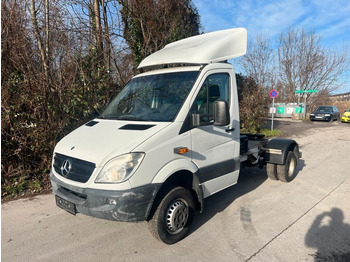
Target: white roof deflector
[{"x": 201, "y": 49}]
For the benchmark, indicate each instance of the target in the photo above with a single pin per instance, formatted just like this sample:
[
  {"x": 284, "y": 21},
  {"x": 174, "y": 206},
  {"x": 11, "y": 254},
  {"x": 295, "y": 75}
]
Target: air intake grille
[{"x": 73, "y": 168}]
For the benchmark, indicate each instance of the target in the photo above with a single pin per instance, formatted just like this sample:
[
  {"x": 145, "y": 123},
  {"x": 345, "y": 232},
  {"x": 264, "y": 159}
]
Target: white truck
[{"x": 170, "y": 139}]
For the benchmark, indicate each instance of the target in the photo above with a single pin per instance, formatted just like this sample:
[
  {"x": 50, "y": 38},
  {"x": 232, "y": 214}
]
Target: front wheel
[
  {"x": 172, "y": 218},
  {"x": 287, "y": 172}
]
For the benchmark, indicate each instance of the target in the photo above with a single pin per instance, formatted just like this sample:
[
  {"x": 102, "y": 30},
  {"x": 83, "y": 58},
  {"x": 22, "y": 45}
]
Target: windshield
[
  {"x": 152, "y": 98},
  {"x": 324, "y": 109}
]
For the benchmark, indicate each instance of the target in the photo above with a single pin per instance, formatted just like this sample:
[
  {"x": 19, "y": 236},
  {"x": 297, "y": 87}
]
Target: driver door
[{"x": 214, "y": 147}]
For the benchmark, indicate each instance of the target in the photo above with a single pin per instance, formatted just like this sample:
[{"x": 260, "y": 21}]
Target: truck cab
[{"x": 168, "y": 140}]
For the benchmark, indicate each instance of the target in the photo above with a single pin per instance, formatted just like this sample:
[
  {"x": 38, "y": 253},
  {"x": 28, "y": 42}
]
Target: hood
[{"x": 100, "y": 140}]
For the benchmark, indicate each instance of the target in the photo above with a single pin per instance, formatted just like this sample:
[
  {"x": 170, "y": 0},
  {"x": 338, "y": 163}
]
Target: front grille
[{"x": 79, "y": 171}]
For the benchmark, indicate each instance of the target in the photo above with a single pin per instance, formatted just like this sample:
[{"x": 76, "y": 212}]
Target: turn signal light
[{"x": 181, "y": 150}]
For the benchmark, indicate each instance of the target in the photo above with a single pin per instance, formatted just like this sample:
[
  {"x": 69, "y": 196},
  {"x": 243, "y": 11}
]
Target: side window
[{"x": 216, "y": 86}]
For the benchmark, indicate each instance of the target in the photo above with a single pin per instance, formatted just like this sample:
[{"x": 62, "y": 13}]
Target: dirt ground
[{"x": 290, "y": 128}]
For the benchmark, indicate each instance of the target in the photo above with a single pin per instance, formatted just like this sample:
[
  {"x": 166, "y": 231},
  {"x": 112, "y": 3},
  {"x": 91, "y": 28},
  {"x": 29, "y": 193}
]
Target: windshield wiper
[
  {"x": 124, "y": 117},
  {"x": 130, "y": 117}
]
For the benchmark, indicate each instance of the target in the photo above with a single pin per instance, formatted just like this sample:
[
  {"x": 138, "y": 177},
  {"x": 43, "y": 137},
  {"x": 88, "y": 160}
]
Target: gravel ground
[{"x": 295, "y": 128}]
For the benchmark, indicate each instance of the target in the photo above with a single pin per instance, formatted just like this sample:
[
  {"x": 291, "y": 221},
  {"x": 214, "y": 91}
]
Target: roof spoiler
[{"x": 206, "y": 48}]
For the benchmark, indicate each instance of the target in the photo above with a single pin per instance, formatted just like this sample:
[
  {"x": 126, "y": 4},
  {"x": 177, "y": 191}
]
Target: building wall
[{"x": 341, "y": 97}]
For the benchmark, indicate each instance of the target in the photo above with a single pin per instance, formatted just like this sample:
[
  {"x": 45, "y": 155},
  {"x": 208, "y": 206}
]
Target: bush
[
  {"x": 268, "y": 133},
  {"x": 252, "y": 104},
  {"x": 34, "y": 120}
]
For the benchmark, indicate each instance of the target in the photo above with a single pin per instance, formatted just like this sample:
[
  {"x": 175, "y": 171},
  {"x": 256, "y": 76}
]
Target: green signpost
[{"x": 305, "y": 91}]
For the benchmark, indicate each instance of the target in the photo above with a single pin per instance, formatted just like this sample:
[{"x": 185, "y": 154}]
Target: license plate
[{"x": 66, "y": 205}]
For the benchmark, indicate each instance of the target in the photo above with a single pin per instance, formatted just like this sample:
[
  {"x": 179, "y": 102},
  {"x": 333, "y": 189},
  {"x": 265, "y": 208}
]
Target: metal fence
[{"x": 288, "y": 110}]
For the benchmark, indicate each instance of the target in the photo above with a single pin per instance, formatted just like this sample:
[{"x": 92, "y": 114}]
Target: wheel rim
[
  {"x": 291, "y": 167},
  {"x": 177, "y": 216}
]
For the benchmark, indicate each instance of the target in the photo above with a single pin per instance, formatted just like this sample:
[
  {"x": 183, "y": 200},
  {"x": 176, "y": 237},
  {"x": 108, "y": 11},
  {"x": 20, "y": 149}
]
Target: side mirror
[{"x": 221, "y": 113}]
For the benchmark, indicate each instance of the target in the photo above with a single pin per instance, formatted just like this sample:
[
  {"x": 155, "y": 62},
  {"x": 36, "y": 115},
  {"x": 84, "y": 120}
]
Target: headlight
[
  {"x": 312, "y": 114},
  {"x": 327, "y": 115},
  {"x": 120, "y": 169}
]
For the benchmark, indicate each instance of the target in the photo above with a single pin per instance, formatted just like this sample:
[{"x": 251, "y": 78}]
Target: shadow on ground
[
  {"x": 331, "y": 236},
  {"x": 249, "y": 179}
]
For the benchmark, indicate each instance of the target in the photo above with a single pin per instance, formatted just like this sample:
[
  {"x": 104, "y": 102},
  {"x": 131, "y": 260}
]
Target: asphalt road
[{"x": 256, "y": 220}]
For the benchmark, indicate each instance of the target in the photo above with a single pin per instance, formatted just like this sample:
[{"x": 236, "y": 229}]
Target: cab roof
[{"x": 207, "y": 48}]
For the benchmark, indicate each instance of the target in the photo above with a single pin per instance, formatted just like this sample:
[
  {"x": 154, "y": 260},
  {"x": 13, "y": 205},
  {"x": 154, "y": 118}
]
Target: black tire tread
[
  {"x": 282, "y": 170},
  {"x": 271, "y": 170},
  {"x": 154, "y": 226}
]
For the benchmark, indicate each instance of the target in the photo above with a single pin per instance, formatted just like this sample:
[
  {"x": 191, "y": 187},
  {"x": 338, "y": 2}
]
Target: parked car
[
  {"x": 325, "y": 113},
  {"x": 346, "y": 116}
]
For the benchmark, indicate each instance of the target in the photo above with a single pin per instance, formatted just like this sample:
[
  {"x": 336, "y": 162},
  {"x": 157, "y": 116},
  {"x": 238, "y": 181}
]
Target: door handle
[{"x": 230, "y": 129}]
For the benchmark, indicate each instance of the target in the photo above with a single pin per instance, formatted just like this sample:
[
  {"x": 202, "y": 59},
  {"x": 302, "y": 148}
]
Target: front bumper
[
  {"x": 345, "y": 119},
  {"x": 127, "y": 205},
  {"x": 321, "y": 118}
]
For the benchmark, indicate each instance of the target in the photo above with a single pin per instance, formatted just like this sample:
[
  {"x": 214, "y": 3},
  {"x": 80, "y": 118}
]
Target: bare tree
[
  {"x": 61, "y": 62},
  {"x": 259, "y": 62},
  {"x": 43, "y": 44},
  {"x": 305, "y": 65},
  {"x": 108, "y": 43},
  {"x": 97, "y": 34}
]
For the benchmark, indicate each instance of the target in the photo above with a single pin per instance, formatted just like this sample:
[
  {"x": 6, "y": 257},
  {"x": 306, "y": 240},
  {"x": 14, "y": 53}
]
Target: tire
[
  {"x": 287, "y": 172},
  {"x": 271, "y": 170},
  {"x": 173, "y": 216}
]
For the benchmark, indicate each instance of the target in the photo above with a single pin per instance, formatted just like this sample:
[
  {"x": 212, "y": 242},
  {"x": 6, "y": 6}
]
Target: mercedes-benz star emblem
[{"x": 66, "y": 167}]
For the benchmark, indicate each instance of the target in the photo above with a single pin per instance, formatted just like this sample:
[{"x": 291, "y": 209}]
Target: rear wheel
[
  {"x": 287, "y": 172},
  {"x": 271, "y": 170},
  {"x": 173, "y": 216}
]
